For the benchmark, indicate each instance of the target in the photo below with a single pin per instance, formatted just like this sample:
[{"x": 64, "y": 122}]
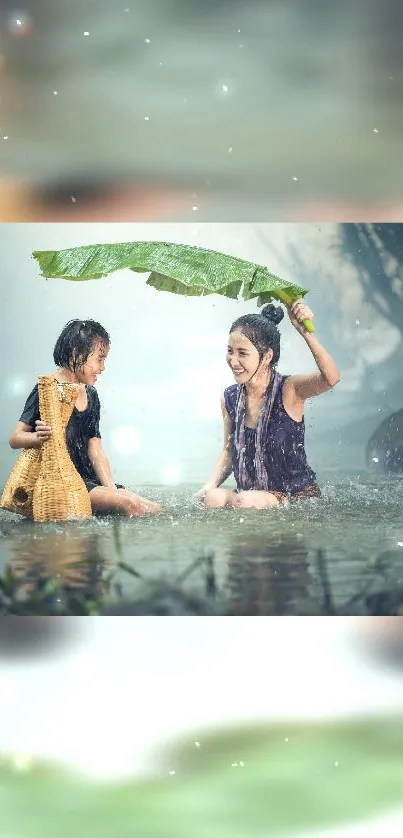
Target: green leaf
[
  {"x": 266, "y": 780},
  {"x": 263, "y": 281},
  {"x": 166, "y": 283},
  {"x": 178, "y": 268}
]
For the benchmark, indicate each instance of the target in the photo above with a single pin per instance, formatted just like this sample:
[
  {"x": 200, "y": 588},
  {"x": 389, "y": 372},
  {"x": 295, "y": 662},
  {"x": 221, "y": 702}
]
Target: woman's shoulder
[
  {"x": 231, "y": 392},
  {"x": 278, "y": 399},
  {"x": 230, "y": 397}
]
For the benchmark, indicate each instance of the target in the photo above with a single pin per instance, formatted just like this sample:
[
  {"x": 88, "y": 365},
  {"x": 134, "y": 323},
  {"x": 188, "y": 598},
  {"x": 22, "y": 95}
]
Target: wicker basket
[
  {"x": 19, "y": 489},
  {"x": 59, "y": 492},
  {"x": 44, "y": 484}
]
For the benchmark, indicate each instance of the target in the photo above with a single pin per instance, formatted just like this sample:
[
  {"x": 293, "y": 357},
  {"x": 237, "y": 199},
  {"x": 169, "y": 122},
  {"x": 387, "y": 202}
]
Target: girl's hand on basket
[{"x": 43, "y": 431}]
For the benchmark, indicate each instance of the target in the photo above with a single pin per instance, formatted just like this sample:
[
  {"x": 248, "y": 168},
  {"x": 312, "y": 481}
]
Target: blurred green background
[{"x": 205, "y": 728}]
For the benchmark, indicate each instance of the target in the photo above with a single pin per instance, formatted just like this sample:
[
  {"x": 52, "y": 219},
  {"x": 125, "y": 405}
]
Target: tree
[{"x": 376, "y": 250}]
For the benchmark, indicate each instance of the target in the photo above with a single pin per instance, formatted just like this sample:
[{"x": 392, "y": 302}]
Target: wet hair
[
  {"x": 77, "y": 341},
  {"x": 261, "y": 329}
]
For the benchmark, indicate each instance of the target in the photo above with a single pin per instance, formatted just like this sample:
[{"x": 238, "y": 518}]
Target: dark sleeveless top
[
  {"x": 285, "y": 458},
  {"x": 82, "y": 426}
]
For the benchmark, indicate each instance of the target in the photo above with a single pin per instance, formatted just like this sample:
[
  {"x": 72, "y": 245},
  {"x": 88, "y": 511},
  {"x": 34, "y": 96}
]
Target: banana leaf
[
  {"x": 177, "y": 268},
  {"x": 243, "y": 783}
]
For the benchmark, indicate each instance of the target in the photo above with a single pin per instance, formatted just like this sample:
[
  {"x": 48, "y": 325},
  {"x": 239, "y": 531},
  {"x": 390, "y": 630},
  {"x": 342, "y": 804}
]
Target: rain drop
[{"x": 19, "y": 24}]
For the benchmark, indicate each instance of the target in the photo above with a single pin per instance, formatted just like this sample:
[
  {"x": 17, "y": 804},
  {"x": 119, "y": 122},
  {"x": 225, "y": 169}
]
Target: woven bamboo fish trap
[
  {"x": 18, "y": 491},
  {"x": 44, "y": 483}
]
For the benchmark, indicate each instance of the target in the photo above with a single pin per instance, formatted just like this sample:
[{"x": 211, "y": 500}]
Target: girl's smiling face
[
  {"x": 88, "y": 372},
  {"x": 243, "y": 357}
]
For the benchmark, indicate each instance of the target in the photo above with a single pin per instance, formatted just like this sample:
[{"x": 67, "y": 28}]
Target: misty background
[
  {"x": 161, "y": 421},
  {"x": 281, "y": 104}
]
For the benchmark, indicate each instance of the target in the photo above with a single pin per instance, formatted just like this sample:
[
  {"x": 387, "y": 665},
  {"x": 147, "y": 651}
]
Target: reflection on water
[
  {"x": 59, "y": 569},
  {"x": 267, "y": 575},
  {"x": 342, "y": 554}
]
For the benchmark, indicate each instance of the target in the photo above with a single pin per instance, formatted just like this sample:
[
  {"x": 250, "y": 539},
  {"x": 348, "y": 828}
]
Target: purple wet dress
[{"x": 285, "y": 458}]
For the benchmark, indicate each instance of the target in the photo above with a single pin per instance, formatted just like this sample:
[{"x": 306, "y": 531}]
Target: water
[{"x": 342, "y": 554}]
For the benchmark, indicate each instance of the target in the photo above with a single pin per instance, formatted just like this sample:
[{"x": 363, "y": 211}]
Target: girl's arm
[
  {"x": 24, "y": 437},
  {"x": 96, "y": 453},
  {"x": 306, "y": 386},
  {"x": 30, "y": 431},
  {"x": 100, "y": 463},
  {"x": 223, "y": 466}
]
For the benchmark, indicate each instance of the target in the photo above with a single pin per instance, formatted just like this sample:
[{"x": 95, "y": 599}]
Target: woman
[{"x": 263, "y": 415}]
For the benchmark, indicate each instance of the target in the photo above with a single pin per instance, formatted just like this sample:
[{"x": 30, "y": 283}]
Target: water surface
[{"x": 340, "y": 554}]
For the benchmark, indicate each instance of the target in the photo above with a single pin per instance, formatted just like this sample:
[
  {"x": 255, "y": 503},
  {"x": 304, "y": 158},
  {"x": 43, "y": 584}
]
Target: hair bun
[{"x": 273, "y": 313}]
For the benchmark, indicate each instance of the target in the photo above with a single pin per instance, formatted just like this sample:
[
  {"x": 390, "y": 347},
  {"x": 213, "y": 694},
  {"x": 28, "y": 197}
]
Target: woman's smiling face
[{"x": 243, "y": 357}]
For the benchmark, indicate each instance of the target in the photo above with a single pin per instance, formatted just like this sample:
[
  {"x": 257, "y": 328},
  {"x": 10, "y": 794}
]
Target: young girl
[
  {"x": 79, "y": 354},
  {"x": 263, "y": 415}
]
